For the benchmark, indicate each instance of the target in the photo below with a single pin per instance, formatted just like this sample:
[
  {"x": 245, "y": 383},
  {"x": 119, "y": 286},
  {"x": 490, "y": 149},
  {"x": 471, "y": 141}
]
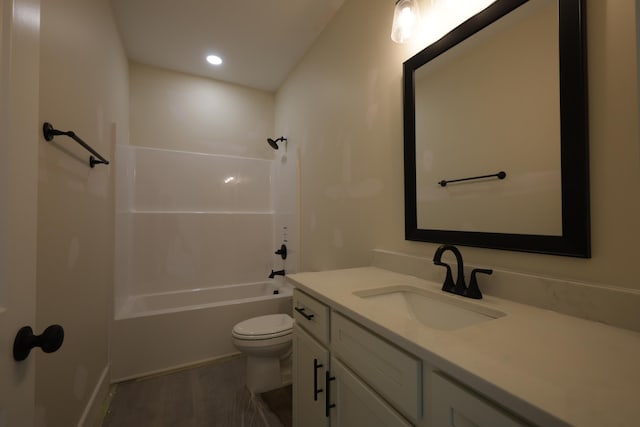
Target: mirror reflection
[
  {"x": 485, "y": 101},
  {"x": 492, "y": 104}
]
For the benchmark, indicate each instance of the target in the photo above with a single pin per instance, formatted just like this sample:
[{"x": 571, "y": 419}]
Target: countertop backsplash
[{"x": 613, "y": 306}]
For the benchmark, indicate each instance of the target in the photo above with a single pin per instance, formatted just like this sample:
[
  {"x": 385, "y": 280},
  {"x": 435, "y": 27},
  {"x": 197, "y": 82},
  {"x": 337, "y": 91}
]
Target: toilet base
[{"x": 267, "y": 373}]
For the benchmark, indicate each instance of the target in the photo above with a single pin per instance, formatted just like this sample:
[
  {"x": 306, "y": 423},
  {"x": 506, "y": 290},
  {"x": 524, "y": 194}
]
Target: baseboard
[
  {"x": 93, "y": 412},
  {"x": 175, "y": 368}
]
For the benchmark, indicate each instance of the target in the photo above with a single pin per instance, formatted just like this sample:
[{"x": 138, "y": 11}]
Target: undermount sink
[{"x": 431, "y": 309}]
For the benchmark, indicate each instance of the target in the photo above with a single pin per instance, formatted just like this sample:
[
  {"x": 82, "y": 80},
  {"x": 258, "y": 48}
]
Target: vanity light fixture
[
  {"x": 214, "y": 60},
  {"x": 405, "y": 17}
]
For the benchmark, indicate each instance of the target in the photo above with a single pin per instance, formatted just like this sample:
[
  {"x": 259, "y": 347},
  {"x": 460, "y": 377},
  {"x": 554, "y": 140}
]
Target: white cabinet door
[
  {"x": 356, "y": 405},
  {"x": 393, "y": 373},
  {"x": 454, "y": 406},
  {"x": 310, "y": 363}
]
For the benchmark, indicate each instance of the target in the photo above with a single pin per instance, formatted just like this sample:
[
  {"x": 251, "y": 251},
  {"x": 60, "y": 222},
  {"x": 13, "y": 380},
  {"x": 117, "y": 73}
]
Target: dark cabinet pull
[
  {"x": 316, "y": 390},
  {"x": 327, "y": 397},
  {"x": 305, "y": 315},
  {"x": 49, "y": 341}
]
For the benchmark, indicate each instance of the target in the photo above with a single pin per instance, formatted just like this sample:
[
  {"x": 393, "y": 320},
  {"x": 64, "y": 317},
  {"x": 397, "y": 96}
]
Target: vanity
[
  {"x": 495, "y": 156},
  {"x": 366, "y": 355}
]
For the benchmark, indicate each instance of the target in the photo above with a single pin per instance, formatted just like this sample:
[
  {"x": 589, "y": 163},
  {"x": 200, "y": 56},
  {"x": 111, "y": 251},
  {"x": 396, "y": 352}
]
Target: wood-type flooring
[{"x": 208, "y": 395}]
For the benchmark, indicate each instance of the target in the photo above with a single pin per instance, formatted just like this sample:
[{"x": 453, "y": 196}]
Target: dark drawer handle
[
  {"x": 327, "y": 397},
  {"x": 305, "y": 315},
  {"x": 316, "y": 390}
]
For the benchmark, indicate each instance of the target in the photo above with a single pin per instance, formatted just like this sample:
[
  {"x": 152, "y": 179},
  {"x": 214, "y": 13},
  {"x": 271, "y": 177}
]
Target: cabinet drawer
[
  {"x": 455, "y": 406},
  {"x": 312, "y": 315},
  {"x": 396, "y": 375}
]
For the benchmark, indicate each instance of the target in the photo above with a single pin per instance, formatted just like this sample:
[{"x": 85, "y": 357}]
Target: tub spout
[{"x": 276, "y": 273}]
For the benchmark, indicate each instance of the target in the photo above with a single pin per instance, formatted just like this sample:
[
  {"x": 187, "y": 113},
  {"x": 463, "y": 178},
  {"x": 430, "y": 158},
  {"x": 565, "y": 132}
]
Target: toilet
[{"x": 266, "y": 340}]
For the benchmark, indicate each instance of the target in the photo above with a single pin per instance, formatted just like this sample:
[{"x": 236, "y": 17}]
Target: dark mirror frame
[{"x": 575, "y": 239}]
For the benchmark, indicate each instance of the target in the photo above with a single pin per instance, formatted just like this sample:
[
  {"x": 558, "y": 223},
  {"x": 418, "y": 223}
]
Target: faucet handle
[
  {"x": 448, "y": 285},
  {"x": 473, "y": 291},
  {"x": 282, "y": 251}
]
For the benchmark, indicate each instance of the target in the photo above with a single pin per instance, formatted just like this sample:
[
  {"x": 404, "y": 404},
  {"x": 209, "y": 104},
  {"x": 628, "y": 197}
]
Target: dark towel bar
[
  {"x": 499, "y": 175},
  {"x": 49, "y": 132}
]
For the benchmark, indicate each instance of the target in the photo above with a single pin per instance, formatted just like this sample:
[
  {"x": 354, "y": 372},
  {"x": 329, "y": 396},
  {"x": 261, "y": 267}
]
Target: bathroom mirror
[{"x": 496, "y": 133}]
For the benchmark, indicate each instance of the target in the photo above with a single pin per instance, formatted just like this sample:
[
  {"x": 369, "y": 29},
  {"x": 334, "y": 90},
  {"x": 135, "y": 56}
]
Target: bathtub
[
  {"x": 169, "y": 302},
  {"x": 159, "y": 332}
]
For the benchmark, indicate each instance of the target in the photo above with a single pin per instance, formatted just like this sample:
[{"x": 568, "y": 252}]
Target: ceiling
[{"x": 260, "y": 41}]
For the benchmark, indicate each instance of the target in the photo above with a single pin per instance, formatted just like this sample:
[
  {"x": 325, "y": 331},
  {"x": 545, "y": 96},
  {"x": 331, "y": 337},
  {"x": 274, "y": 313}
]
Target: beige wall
[
  {"x": 343, "y": 105},
  {"x": 178, "y": 111},
  {"x": 84, "y": 88}
]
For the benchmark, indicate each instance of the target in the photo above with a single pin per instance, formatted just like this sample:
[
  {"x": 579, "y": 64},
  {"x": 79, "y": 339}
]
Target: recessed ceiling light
[{"x": 214, "y": 60}]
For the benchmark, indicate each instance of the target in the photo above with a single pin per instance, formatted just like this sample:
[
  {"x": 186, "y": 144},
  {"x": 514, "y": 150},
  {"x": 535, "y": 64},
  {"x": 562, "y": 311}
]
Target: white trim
[
  {"x": 93, "y": 411},
  {"x": 175, "y": 368},
  {"x": 19, "y": 144}
]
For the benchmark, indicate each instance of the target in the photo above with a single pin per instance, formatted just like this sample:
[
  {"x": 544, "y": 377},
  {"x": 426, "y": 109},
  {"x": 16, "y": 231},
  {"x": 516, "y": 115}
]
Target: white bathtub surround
[
  {"x": 191, "y": 220},
  {"x": 195, "y": 242},
  {"x": 285, "y": 175},
  {"x": 175, "y": 251},
  {"x": 613, "y": 306},
  {"x": 168, "y": 181}
]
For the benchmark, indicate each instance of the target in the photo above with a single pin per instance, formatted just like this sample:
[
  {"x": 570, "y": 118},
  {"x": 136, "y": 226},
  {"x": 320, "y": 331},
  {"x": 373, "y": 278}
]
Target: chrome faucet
[
  {"x": 459, "y": 287},
  {"x": 276, "y": 273}
]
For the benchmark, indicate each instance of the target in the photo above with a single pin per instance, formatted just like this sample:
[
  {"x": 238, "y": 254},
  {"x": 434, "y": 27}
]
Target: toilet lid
[{"x": 271, "y": 324}]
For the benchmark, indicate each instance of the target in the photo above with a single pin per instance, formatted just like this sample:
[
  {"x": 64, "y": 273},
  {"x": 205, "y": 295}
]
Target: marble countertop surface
[{"x": 551, "y": 369}]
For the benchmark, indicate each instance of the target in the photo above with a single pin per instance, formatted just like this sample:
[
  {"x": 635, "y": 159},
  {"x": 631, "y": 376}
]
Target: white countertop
[{"x": 551, "y": 369}]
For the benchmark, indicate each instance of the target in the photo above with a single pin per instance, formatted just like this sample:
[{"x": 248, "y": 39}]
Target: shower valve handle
[{"x": 282, "y": 251}]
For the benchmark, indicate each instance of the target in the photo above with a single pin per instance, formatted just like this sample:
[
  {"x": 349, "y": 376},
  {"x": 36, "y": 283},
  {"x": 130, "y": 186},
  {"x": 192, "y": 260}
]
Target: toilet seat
[
  {"x": 263, "y": 327},
  {"x": 259, "y": 337}
]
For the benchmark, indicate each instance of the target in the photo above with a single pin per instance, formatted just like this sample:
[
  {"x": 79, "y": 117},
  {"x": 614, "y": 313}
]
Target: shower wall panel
[
  {"x": 168, "y": 180},
  {"x": 191, "y": 220},
  {"x": 178, "y": 251}
]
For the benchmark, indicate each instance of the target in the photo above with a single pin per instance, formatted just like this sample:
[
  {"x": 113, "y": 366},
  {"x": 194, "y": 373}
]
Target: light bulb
[
  {"x": 214, "y": 60},
  {"x": 405, "y": 18}
]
